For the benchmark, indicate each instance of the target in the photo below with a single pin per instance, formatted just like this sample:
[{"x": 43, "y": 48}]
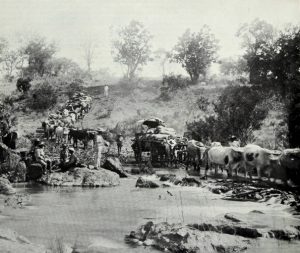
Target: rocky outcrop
[
  {"x": 288, "y": 233},
  {"x": 10, "y": 241},
  {"x": 146, "y": 183},
  {"x": 12, "y": 167},
  {"x": 5, "y": 187},
  {"x": 113, "y": 164},
  {"x": 82, "y": 177},
  {"x": 181, "y": 238}
]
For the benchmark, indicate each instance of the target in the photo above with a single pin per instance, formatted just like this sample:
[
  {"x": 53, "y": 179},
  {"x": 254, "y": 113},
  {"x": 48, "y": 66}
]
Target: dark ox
[
  {"x": 195, "y": 151},
  {"x": 82, "y": 135},
  {"x": 286, "y": 167},
  {"x": 49, "y": 130}
]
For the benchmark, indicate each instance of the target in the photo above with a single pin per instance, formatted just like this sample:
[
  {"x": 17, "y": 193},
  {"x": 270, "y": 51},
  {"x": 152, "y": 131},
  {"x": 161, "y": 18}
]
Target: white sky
[{"x": 70, "y": 22}]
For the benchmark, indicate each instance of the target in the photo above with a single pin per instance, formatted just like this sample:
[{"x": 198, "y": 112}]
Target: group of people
[{"x": 68, "y": 158}]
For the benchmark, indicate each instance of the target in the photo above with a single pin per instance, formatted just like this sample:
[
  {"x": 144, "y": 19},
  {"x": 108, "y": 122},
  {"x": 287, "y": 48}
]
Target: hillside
[{"x": 122, "y": 110}]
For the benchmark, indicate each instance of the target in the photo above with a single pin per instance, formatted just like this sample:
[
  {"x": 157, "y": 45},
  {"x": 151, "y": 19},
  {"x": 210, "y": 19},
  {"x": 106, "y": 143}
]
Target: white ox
[
  {"x": 260, "y": 158},
  {"x": 229, "y": 157}
]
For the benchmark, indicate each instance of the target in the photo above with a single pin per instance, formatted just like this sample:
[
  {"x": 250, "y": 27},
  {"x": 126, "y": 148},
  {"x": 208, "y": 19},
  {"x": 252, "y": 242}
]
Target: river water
[{"x": 101, "y": 217}]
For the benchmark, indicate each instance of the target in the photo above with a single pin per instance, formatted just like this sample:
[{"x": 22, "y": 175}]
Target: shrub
[
  {"x": 238, "y": 111},
  {"x": 23, "y": 84},
  {"x": 171, "y": 83},
  {"x": 75, "y": 86},
  {"x": 42, "y": 97}
]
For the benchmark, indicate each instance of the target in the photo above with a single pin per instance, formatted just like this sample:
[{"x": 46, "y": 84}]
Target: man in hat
[
  {"x": 34, "y": 145},
  {"x": 99, "y": 142},
  {"x": 73, "y": 160},
  {"x": 234, "y": 142},
  {"x": 40, "y": 156}
]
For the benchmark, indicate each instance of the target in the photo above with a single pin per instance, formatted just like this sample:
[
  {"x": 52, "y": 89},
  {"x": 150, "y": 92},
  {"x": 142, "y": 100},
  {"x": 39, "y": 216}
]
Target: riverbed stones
[
  {"x": 5, "y": 187},
  {"x": 113, "y": 164},
  {"x": 182, "y": 238},
  {"x": 10, "y": 241},
  {"x": 82, "y": 177},
  {"x": 146, "y": 183}
]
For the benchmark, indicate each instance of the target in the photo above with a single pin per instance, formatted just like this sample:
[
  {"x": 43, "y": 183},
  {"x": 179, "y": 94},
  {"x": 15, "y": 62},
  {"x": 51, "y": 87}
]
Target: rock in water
[
  {"x": 113, "y": 164},
  {"x": 145, "y": 183},
  {"x": 5, "y": 187},
  {"x": 82, "y": 177},
  {"x": 10, "y": 241},
  {"x": 181, "y": 238}
]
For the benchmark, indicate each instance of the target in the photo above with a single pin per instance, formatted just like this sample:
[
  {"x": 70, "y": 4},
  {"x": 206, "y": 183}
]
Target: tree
[
  {"x": 43, "y": 96},
  {"x": 63, "y": 67},
  {"x": 89, "y": 49},
  {"x": 12, "y": 60},
  {"x": 285, "y": 61},
  {"x": 257, "y": 40},
  {"x": 39, "y": 53},
  {"x": 232, "y": 67},
  {"x": 238, "y": 111},
  {"x": 195, "y": 52},
  {"x": 132, "y": 48},
  {"x": 3, "y": 46},
  {"x": 163, "y": 56}
]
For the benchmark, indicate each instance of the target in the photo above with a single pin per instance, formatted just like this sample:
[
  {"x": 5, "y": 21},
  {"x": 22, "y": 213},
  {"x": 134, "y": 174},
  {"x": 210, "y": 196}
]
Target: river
[{"x": 101, "y": 217}]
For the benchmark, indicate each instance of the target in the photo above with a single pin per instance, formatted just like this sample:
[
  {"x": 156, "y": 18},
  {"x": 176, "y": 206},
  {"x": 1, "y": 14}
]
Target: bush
[
  {"x": 238, "y": 111},
  {"x": 75, "y": 86},
  {"x": 42, "y": 97},
  {"x": 171, "y": 83}
]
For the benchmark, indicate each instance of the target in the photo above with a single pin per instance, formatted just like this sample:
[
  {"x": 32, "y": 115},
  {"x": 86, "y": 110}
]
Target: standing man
[
  {"x": 119, "y": 141},
  {"x": 99, "y": 142},
  {"x": 106, "y": 90}
]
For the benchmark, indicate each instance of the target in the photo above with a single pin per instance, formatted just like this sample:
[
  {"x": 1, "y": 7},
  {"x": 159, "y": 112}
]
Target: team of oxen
[
  {"x": 283, "y": 165},
  {"x": 61, "y": 124}
]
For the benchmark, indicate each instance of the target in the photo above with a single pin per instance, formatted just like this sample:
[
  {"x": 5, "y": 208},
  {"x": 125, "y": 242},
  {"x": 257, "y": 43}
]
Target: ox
[
  {"x": 229, "y": 157},
  {"x": 59, "y": 133},
  {"x": 83, "y": 135},
  {"x": 195, "y": 151},
  {"x": 49, "y": 129},
  {"x": 286, "y": 167},
  {"x": 260, "y": 158}
]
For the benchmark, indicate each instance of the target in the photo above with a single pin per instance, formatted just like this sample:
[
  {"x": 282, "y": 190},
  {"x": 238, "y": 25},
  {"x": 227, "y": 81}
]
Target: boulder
[
  {"x": 19, "y": 173},
  {"x": 13, "y": 167},
  {"x": 113, "y": 164},
  {"x": 167, "y": 177},
  {"x": 145, "y": 183},
  {"x": 181, "y": 238},
  {"x": 82, "y": 177},
  {"x": 231, "y": 217},
  {"x": 288, "y": 233},
  {"x": 5, "y": 187},
  {"x": 34, "y": 171},
  {"x": 10, "y": 241}
]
